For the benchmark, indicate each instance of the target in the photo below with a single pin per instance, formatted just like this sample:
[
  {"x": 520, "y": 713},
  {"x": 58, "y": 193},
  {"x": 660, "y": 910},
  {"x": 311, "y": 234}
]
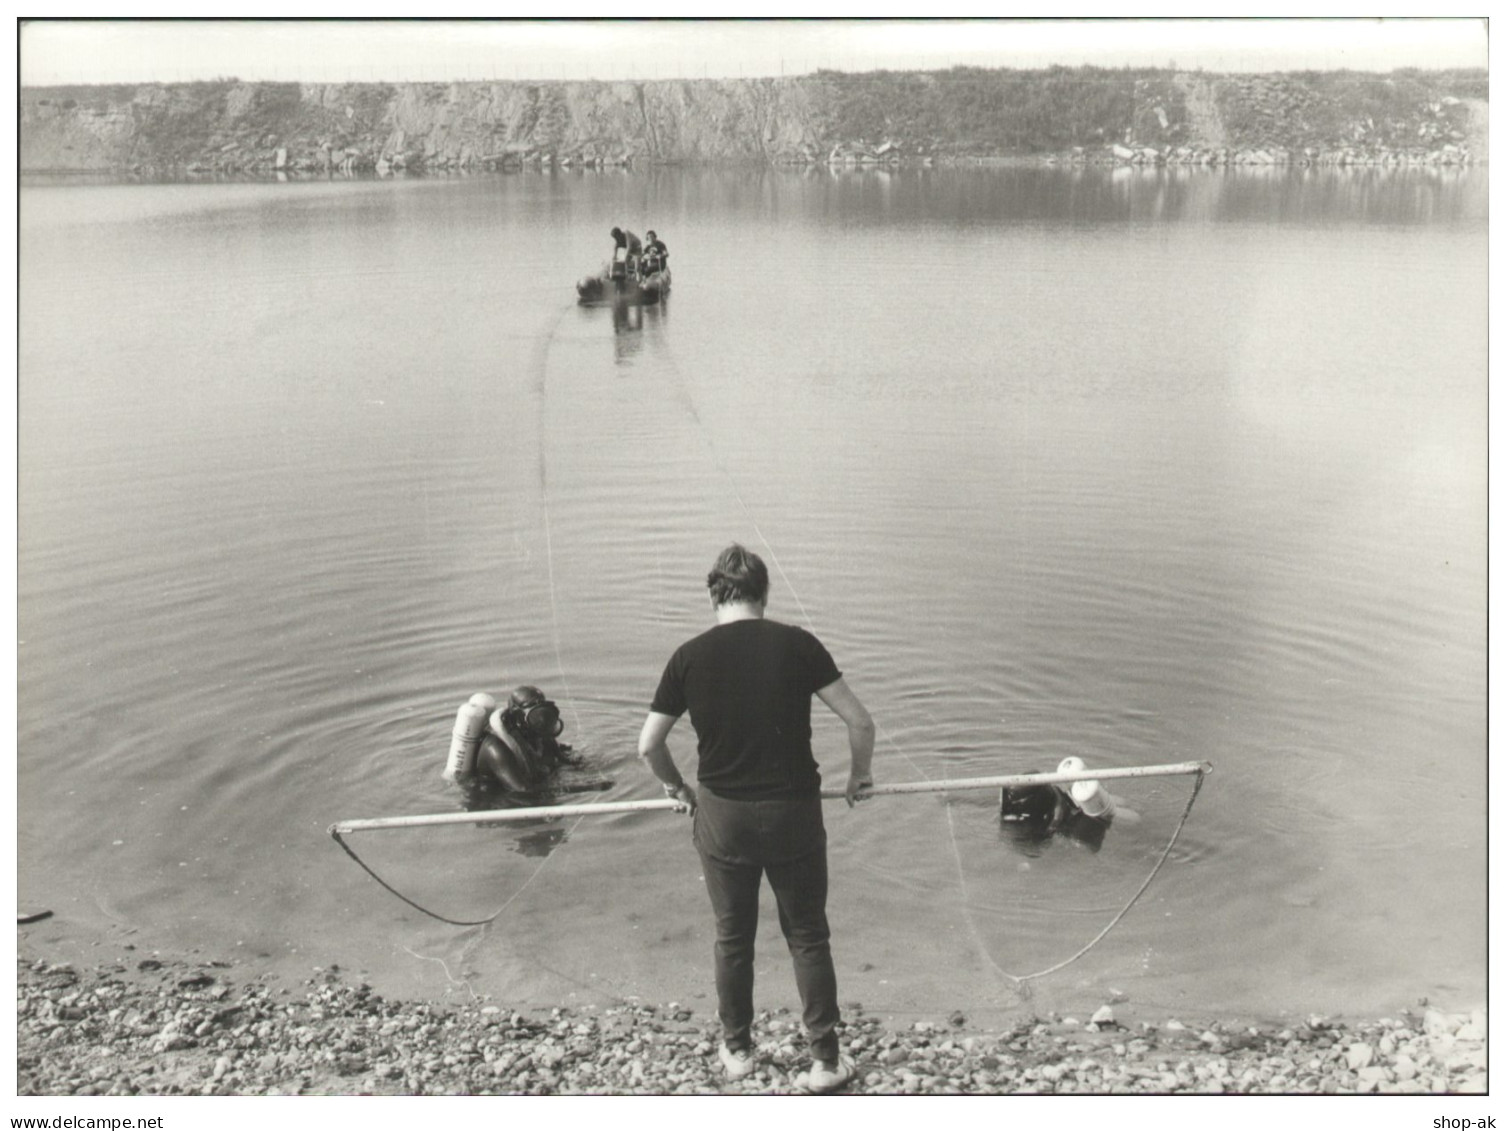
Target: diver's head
[
  {"x": 1027, "y": 813},
  {"x": 653, "y": 235},
  {"x": 1028, "y": 803},
  {"x": 616, "y": 233},
  {"x": 528, "y": 708}
]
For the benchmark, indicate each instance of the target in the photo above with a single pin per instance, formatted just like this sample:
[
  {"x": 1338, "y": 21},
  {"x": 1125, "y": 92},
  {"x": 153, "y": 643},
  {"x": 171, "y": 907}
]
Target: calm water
[{"x": 1141, "y": 467}]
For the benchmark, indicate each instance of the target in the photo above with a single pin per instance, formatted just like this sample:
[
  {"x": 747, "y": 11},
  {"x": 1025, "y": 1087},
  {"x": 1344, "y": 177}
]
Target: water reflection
[
  {"x": 628, "y": 321},
  {"x": 1190, "y": 475},
  {"x": 627, "y": 326},
  {"x": 1093, "y": 195},
  {"x": 1074, "y": 194},
  {"x": 541, "y": 842},
  {"x": 1269, "y": 193}
]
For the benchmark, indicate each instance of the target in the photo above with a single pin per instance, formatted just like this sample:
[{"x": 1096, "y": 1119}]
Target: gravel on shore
[{"x": 158, "y": 1027}]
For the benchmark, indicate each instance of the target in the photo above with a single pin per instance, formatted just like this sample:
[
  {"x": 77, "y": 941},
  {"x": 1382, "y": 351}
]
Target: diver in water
[
  {"x": 1036, "y": 812},
  {"x": 520, "y": 748}
]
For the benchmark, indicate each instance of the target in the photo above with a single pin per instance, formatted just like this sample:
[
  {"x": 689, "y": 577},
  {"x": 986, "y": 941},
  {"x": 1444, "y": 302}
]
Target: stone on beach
[{"x": 173, "y": 1029}]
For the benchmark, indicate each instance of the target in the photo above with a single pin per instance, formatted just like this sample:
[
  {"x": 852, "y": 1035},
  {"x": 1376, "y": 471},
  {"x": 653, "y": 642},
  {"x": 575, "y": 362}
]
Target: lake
[{"x": 1142, "y": 466}]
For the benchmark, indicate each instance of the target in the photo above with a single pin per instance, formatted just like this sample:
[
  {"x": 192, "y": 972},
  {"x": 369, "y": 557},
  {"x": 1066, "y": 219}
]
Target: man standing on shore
[{"x": 747, "y": 683}]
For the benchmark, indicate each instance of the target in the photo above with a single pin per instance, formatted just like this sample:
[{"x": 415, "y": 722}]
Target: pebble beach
[{"x": 181, "y": 1026}]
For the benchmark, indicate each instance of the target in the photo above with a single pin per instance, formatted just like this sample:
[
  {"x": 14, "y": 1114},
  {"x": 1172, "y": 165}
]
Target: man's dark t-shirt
[{"x": 748, "y": 687}]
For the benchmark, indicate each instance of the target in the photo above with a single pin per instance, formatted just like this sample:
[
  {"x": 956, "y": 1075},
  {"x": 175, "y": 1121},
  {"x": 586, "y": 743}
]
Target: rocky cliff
[{"x": 1081, "y": 113}]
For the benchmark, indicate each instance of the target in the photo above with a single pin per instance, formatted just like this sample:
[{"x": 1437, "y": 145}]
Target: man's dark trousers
[{"x": 739, "y": 842}]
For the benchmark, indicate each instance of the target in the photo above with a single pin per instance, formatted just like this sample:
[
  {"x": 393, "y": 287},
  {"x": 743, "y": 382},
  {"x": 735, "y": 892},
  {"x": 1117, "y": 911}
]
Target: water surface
[{"x": 1142, "y": 467}]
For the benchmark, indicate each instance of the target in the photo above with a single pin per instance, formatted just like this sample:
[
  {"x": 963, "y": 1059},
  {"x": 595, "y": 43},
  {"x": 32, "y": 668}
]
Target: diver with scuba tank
[{"x": 516, "y": 746}]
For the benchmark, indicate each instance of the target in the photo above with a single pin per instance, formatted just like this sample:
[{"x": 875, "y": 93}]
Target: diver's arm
[
  {"x": 500, "y": 757},
  {"x": 654, "y": 751}
]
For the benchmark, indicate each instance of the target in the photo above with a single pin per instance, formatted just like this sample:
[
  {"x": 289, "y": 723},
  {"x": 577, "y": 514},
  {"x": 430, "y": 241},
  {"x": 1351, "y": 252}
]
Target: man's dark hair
[{"x": 739, "y": 575}]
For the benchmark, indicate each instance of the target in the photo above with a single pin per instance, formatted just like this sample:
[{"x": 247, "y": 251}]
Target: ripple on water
[{"x": 1148, "y": 510}]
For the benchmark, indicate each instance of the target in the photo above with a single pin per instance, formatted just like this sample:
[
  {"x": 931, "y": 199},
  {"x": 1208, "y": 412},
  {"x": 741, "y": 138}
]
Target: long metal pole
[{"x": 504, "y": 816}]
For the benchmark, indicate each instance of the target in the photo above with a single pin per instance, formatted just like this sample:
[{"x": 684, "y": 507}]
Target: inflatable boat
[{"x": 618, "y": 282}]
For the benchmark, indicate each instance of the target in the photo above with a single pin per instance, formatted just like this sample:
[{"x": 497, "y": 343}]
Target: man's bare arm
[{"x": 860, "y": 730}]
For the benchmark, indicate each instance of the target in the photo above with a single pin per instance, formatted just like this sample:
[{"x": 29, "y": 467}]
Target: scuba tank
[
  {"x": 470, "y": 721},
  {"x": 1090, "y": 797}
]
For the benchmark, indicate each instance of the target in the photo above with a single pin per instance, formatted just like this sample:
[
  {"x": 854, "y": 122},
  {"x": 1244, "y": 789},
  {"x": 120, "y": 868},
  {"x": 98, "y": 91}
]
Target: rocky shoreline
[
  {"x": 351, "y": 162},
  {"x": 160, "y": 1026},
  {"x": 1343, "y": 157}
]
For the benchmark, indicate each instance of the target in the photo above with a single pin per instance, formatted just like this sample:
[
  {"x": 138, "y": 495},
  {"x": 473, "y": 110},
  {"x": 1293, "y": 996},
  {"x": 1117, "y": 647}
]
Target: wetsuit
[{"x": 521, "y": 765}]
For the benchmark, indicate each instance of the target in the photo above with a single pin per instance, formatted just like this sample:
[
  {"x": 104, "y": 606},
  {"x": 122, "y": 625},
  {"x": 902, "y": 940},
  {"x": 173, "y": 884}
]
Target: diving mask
[{"x": 541, "y": 717}]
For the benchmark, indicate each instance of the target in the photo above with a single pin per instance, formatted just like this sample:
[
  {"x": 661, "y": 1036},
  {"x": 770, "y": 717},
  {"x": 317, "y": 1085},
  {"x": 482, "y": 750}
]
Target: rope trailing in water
[
  {"x": 706, "y": 438},
  {"x": 541, "y": 377},
  {"x": 1020, "y": 979},
  {"x": 335, "y": 832},
  {"x": 1017, "y": 979},
  {"x": 540, "y": 371},
  {"x": 580, "y": 812}
]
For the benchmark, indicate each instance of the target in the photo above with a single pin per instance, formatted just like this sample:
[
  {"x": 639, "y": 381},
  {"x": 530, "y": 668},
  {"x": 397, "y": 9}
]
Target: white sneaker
[
  {"x": 827, "y": 1077},
  {"x": 737, "y": 1062}
]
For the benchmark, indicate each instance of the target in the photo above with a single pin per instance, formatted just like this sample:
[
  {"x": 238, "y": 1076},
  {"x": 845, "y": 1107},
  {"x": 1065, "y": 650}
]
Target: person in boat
[
  {"x": 655, "y": 257},
  {"x": 626, "y": 248},
  {"x": 748, "y": 683},
  {"x": 521, "y": 749}
]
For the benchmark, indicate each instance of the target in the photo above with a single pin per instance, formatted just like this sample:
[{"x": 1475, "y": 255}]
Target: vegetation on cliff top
[
  {"x": 973, "y": 110},
  {"x": 961, "y": 112}
]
